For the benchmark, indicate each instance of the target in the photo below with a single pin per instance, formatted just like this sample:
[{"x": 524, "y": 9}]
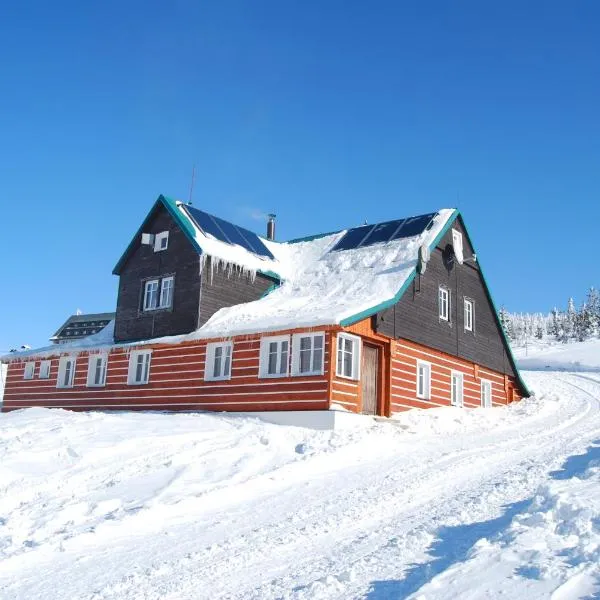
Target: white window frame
[
  {"x": 159, "y": 238},
  {"x": 133, "y": 363},
  {"x": 161, "y": 301},
  {"x": 209, "y": 365},
  {"x": 486, "y": 401},
  {"x": 29, "y": 370},
  {"x": 457, "y": 399},
  {"x": 265, "y": 349},
  {"x": 62, "y": 368},
  {"x": 469, "y": 316},
  {"x": 457, "y": 245},
  {"x": 297, "y": 354},
  {"x": 44, "y": 372},
  {"x": 424, "y": 393},
  {"x": 356, "y": 353},
  {"x": 92, "y": 368},
  {"x": 147, "y": 293},
  {"x": 444, "y": 291}
]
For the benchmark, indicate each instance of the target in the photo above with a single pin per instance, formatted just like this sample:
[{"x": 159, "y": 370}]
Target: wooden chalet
[{"x": 376, "y": 319}]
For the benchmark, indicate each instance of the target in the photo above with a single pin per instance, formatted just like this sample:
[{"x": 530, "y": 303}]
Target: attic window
[{"x": 161, "y": 241}]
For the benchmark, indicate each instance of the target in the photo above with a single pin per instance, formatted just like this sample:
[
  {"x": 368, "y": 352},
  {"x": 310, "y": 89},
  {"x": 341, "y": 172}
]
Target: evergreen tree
[{"x": 506, "y": 323}]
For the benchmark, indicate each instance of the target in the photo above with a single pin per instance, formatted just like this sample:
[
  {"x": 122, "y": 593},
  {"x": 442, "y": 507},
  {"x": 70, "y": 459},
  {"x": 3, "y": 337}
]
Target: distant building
[{"x": 80, "y": 326}]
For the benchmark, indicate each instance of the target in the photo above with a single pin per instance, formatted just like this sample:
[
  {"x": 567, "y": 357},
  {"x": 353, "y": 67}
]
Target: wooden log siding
[
  {"x": 405, "y": 355},
  {"x": 176, "y": 383}
]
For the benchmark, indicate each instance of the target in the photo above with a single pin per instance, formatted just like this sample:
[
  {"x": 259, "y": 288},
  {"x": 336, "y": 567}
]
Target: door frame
[{"x": 382, "y": 404}]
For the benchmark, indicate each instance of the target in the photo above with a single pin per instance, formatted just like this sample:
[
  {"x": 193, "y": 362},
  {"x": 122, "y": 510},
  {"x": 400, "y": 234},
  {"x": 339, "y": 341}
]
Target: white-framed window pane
[
  {"x": 273, "y": 347},
  {"x": 217, "y": 361},
  {"x": 166, "y": 292},
  {"x": 348, "y": 356},
  {"x": 283, "y": 362},
  {"x": 457, "y": 389},
  {"x": 317, "y": 362},
  {"x": 468, "y": 314},
  {"x": 161, "y": 241},
  {"x": 274, "y": 356},
  {"x": 151, "y": 295},
  {"x": 44, "y": 369},
  {"x": 29, "y": 370},
  {"x": 486, "y": 394},
  {"x": 444, "y": 303},
  {"x": 457, "y": 243},
  {"x": 227, "y": 362}
]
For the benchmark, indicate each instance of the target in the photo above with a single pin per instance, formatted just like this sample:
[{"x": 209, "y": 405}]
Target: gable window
[
  {"x": 469, "y": 314},
  {"x": 166, "y": 292},
  {"x": 456, "y": 398},
  {"x": 161, "y": 241},
  {"x": 158, "y": 293},
  {"x": 348, "y": 356},
  {"x": 307, "y": 353},
  {"x": 151, "y": 294},
  {"x": 486, "y": 393},
  {"x": 457, "y": 244},
  {"x": 423, "y": 380},
  {"x": 274, "y": 356},
  {"x": 218, "y": 361},
  {"x": 97, "y": 370},
  {"x": 66, "y": 372},
  {"x": 29, "y": 370},
  {"x": 45, "y": 369},
  {"x": 444, "y": 303},
  {"x": 139, "y": 367}
]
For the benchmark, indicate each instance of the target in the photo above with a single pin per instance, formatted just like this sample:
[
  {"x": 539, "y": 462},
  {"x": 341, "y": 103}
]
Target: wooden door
[{"x": 370, "y": 364}]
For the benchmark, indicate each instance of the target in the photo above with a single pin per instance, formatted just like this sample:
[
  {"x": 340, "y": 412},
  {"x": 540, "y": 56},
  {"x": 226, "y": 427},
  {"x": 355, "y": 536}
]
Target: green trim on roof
[
  {"x": 396, "y": 298},
  {"x": 310, "y": 238}
]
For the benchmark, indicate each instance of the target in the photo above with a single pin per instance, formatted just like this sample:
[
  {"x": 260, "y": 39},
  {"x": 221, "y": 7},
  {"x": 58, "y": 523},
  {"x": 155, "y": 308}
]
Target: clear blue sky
[{"x": 325, "y": 112}]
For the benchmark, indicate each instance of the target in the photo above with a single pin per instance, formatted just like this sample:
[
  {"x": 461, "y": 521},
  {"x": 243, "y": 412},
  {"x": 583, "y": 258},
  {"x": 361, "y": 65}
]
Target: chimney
[{"x": 271, "y": 227}]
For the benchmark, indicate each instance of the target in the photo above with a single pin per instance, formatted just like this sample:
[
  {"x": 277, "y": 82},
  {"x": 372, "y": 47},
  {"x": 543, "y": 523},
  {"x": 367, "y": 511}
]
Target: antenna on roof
[{"x": 192, "y": 185}]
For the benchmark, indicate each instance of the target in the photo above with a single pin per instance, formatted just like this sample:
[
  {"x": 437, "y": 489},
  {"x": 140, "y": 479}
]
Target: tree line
[{"x": 572, "y": 324}]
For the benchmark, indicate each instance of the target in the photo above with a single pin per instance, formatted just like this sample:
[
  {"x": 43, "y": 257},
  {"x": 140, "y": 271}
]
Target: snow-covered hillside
[
  {"x": 552, "y": 355},
  {"x": 444, "y": 503}
]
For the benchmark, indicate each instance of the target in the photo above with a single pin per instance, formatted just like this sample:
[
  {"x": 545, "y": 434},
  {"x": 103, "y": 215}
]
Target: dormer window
[{"x": 161, "y": 241}]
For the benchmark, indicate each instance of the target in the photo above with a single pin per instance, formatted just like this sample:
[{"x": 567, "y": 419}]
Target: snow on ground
[
  {"x": 575, "y": 356},
  {"x": 3, "y": 370}
]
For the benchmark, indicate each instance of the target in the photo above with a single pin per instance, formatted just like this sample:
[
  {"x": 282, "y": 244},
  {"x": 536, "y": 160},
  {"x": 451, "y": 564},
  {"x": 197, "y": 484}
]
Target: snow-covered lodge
[{"x": 375, "y": 319}]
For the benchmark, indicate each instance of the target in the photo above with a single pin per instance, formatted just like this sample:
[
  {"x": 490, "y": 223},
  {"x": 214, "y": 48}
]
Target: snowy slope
[
  {"x": 575, "y": 356},
  {"x": 444, "y": 503}
]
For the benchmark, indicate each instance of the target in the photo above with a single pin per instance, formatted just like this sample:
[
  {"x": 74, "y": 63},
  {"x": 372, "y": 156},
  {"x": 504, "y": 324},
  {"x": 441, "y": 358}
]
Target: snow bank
[{"x": 574, "y": 356}]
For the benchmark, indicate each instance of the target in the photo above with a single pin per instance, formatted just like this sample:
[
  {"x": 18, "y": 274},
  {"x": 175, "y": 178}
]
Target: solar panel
[
  {"x": 229, "y": 233},
  {"x": 369, "y": 235},
  {"x": 353, "y": 238}
]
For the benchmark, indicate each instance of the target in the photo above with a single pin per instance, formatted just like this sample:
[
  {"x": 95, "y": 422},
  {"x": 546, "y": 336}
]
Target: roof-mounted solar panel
[{"x": 369, "y": 235}]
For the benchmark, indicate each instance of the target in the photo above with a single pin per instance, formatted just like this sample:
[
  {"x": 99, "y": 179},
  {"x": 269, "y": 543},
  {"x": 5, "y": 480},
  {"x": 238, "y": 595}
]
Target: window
[
  {"x": 348, "y": 356},
  {"x": 444, "y": 303},
  {"x": 29, "y": 370},
  {"x": 161, "y": 241},
  {"x": 486, "y": 393},
  {"x": 45, "y": 369},
  {"x": 274, "y": 356},
  {"x": 307, "y": 353},
  {"x": 456, "y": 398},
  {"x": 66, "y": 372},
  {"x": 457, "y": 244},
  {"x": 166, "y": 292},
  {"x": 158, "y": 293},
  {"x": 218, "y": 361},
  {"x": 139, "y": 367},
  {"x": 423, "y": 380},
  {"x": 151, "y": 294},
  {"x": 97, "y": 370},
  {"x": 469, "y": 314}
]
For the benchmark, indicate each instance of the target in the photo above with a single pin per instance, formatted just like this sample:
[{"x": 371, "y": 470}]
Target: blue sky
[{"x": 327, "y": 113}]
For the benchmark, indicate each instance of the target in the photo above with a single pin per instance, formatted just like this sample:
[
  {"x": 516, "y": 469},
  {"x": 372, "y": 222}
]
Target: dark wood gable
[{"x": 416, "y": 316}]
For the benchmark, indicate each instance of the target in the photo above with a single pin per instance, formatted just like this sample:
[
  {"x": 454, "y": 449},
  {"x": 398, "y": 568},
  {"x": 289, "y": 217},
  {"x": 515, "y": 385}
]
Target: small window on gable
[
  {"x": 45, "y": 369},
  {"x": 29, "y": 370},
  {"x": 307, "y": 354},
  {"x": 444, "y": 303},
  {"x": 161, "y": 241},
  {"x": 274, "y": 356},
  {"x": 348, "y": 356},
  {"x": 457, "y": 244},
  {"x": 423, "y": 380},
  {"x": 139, "y": 367},
  {"x": 218, "y": 361},
  {"x": 469, "y": 314},
  {"x": 97, "y": 370},
  {"x": 66, "y": 372}
]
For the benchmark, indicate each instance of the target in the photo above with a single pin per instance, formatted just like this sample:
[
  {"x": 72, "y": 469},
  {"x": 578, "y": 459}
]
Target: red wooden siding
[
  {"x": 405, "y": 355},
  {"x": 176, "y": 382}
]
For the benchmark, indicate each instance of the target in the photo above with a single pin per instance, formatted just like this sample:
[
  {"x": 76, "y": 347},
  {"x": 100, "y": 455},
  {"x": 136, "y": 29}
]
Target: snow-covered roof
[{"x": 318, "y": 286}]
